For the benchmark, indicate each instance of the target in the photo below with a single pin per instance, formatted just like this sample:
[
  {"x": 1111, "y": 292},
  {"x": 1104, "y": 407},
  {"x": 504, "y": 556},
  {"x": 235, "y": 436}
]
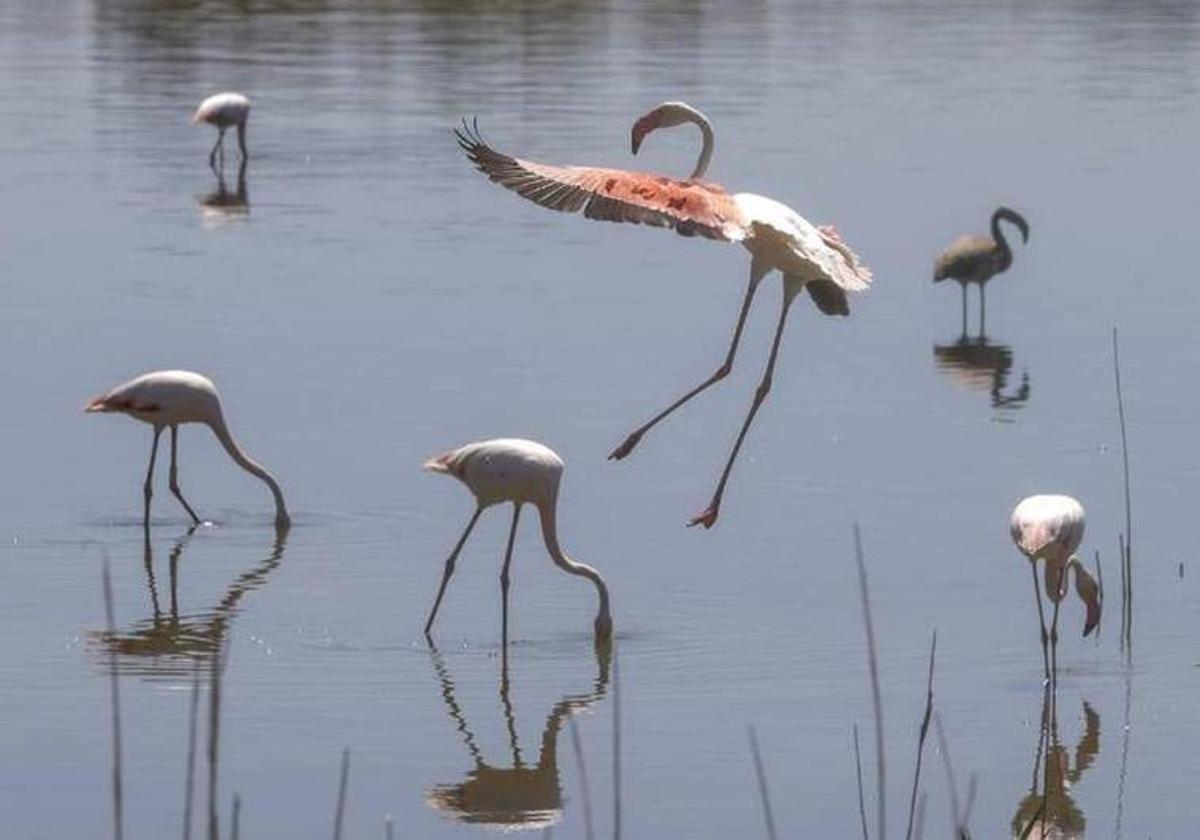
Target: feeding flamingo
[
  {"x": 809, "y": 257},
  {"x": 1050, "y": 528},
  {"x": 224, "y": 110},
  {"x": 167, "y": 398},
  {"x": 977, "y": 259},
  {"x": 521, "y": 472}
]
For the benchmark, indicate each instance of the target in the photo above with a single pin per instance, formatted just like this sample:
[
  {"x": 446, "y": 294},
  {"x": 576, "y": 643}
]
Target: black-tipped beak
[{"x": 635, "y": 143}]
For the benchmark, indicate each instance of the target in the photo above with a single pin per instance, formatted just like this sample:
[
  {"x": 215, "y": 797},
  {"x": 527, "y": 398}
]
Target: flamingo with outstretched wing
[{"x": 778, "y": 238}]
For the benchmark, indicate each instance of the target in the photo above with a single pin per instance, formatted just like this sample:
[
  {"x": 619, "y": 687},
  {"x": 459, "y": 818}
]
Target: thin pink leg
[
  {"x": 708, "y": 517},
  {"x": 504, "y": 579},
  {"x": 450, "y": 562},
  {"x": 757, "y": 272}
]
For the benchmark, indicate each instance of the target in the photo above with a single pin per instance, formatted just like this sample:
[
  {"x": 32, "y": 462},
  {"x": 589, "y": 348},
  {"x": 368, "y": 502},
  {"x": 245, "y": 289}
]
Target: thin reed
[
  {"x": 1127, "y": 542},
  {"x": 912, "y": 802},
  {"x": 761, "y": 776},
  {"x": 115, "y": 697},
  {"x": 585, "y": 788},
  {"x": 190, "y": 773},
  {"x": 876, "y": 700},
  {"x": 340, "y": 812},
  {"x": 862, "y": 805}
]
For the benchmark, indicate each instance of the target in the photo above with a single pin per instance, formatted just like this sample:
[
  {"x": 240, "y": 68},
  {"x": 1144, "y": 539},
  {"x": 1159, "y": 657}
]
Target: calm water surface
[{"x": 365, "y": 300}]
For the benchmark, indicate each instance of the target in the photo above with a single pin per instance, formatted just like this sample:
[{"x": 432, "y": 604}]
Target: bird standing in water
[
  {"x": 224, "y": 110},
  {"x": 1050, "y": 528},
  {"x": 977, "y": 259},
  {"x": 168, "y": 398},
  {"x": 809, "y": 257},
  {"x": 521, "y": 472}
]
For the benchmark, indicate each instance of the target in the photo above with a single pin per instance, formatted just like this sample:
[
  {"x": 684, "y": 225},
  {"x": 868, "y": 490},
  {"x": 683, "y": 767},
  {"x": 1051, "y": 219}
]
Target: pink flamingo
[
  {"x": 1050, "y": 528},
  {"x": 521, "y": 472},
  {"x": 224, "y": 110},
  {"x": 167, "y": 398},
  {"x": 809, "y": 257}
]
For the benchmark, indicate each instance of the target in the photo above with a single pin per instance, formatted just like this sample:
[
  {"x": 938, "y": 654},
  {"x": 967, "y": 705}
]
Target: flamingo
[
  {"x": 167, "y": 398},
  {"x": 1050, "y": 528},
  {"x": 809, "y": 257},
  {"x": 977, "y": 259},
  {"x": 521, "y": 472},
  {"x": 224, "y": 110}
]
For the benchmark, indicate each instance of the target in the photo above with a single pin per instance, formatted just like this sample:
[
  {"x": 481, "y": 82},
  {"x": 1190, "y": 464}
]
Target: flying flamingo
[
  {"x": 224, "y": 110},
  {"x": 1050, "y": 528},
  {"x": 977, "y": 259},
  {"x": 808, "y": 256},
  {"x": 171, "y": 397},
  {"x": 517, "y": 471}
]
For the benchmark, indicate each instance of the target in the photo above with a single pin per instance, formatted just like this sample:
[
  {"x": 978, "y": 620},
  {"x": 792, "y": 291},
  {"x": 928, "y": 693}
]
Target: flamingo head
[{"x": 665, "y": 115}]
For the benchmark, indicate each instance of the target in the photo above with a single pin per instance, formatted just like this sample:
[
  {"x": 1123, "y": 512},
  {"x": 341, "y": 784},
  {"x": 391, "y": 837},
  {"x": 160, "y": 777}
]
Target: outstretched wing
[{"x": 690, "y": 208}]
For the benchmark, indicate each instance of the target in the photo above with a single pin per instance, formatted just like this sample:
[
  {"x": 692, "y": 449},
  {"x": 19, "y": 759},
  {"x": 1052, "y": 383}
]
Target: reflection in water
[
  {"x": 975, "y": 364},
  {"x": 517, "y": 796},
  {"x": 170, "y": 644},
  {"x": 1052, "y": 812},
  {"x": 221, "y": 205}
]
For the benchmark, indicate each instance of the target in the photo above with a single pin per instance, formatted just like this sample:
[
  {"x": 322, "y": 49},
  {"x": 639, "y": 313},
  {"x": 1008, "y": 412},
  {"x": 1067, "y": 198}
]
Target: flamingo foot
[
  {"x": 626, "y": 447},
  {"x": 706, "y": 517}
]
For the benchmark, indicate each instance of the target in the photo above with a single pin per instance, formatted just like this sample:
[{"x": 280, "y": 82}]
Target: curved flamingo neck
[
  {"x": 282, "y": 520},
  {"x": 1004, "y": 252},
  {"x": 549, "y": 517},
  {"x": 707, "y": 139}
]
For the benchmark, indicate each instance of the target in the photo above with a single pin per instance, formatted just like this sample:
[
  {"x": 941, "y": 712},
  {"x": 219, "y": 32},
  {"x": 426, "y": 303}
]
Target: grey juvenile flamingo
[{"x": 977, "y": 259}]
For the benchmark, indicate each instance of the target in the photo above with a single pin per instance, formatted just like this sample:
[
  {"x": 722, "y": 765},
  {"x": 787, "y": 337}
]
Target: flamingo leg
[
  {"x": 963, "y": 286},
  {"x": 242, "y": 140},
  {"x": 1058, "y": 596},
  {"x": 1037, "y": 597},
  {"x": 757, "y": 272},
  {"x": 147, "y": 488},
  {"x": 504, "y": 578},
  {"x": 175, "y": 476},
  {"x": 982, "y": 311},
  {"x": 708, "y": 517},
  {"x": 217, "y": 146},
  {"x": 450, "y": 561}
]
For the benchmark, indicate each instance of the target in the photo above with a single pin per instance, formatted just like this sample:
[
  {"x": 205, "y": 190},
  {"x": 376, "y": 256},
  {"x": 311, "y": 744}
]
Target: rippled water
[{"x": 365, "y": 300}]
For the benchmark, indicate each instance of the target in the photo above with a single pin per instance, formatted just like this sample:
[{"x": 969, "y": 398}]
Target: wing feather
[{"x": 691, "y": 208}]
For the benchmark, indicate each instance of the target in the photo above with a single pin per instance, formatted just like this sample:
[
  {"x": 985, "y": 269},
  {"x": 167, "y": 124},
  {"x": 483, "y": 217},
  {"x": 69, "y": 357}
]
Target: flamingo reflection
[
  {"x": 976, "y": 364},
  {"x": 1049, "y": 811},
  {"x": 225, "y": 205},
  {"x": 515, "y": 796},
  {"x": 173, "y": 644}
]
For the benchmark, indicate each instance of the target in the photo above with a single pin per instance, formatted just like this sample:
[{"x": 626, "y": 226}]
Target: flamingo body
[
  {"x": 168, "y": 399},
  {"x": 521, "y": 472},
  {"x": 163, "y": 398},
  {"x": 1048, "y": 527},
  {"x": 778, "y": 238},
  {"x": 223, "y": 110},
  {"x": 503, "y": 470}
]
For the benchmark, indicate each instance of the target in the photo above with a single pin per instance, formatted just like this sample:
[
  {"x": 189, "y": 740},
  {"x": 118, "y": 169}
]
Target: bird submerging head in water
[
  {"x": 167, "y": 399},
  {"x": 521, "y": 472},
  {"x": 977, "y": 259},
  {"x": 224, "y": 110},
  {"x": 809, "y": 257}
]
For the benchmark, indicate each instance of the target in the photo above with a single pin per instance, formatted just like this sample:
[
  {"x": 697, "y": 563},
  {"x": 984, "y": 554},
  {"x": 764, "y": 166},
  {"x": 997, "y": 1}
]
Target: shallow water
[{"x": 365, "y": 301}]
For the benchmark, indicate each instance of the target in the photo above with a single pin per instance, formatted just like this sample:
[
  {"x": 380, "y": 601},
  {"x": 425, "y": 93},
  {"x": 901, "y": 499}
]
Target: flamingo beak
[
  {"x": 96, "y": 404},
  {"x": 440, "y": 464}
]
